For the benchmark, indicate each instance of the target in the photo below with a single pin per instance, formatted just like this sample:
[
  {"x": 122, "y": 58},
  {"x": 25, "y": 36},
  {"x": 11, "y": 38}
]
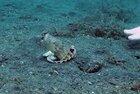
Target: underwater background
[{"x": 106, "y": 61}]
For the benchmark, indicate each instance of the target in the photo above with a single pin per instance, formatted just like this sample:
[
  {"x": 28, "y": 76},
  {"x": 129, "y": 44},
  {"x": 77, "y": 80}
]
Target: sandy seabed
[{"x": 106, "y": 62}]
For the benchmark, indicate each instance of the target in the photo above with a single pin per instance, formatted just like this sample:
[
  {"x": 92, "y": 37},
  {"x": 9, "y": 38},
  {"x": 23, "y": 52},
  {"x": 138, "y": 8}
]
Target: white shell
[
  {"x": 51, "y": 58},
  {"x": 49, "y": 53}
]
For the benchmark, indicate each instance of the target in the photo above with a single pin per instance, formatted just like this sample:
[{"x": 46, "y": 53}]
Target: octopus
[{"x": 57, "y": 52}]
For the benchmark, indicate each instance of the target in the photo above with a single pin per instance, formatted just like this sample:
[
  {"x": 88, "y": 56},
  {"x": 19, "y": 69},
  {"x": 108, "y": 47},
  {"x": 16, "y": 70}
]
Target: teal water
[{"x": 106, "y": 61}]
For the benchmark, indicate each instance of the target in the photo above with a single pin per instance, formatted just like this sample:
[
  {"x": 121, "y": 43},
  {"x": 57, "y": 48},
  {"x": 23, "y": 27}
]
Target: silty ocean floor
[{"x": 106, "y": 62}]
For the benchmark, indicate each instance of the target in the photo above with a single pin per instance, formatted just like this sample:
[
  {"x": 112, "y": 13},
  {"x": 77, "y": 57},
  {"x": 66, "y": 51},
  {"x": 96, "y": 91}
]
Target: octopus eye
[{"x": 71, "y": 50}]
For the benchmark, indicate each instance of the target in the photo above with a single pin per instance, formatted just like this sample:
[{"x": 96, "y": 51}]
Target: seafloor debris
[
  {"x": 3, "y": 58},
  {"x": 57, "y": 52},
  {"x": 85, "y": 65},
  {"x": 114, "y": 61},
  {"x": 79, "y": 28},
  {"x": 91, "y": 69},
  {"x": 91, "y": 30},
  {"x": 110, "y": 32},
  {"x": 135, "y": 87}
]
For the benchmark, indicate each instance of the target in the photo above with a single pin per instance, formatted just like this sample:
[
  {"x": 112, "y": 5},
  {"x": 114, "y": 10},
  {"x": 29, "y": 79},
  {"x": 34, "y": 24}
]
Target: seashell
[{"x": 57, "y": 53}]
